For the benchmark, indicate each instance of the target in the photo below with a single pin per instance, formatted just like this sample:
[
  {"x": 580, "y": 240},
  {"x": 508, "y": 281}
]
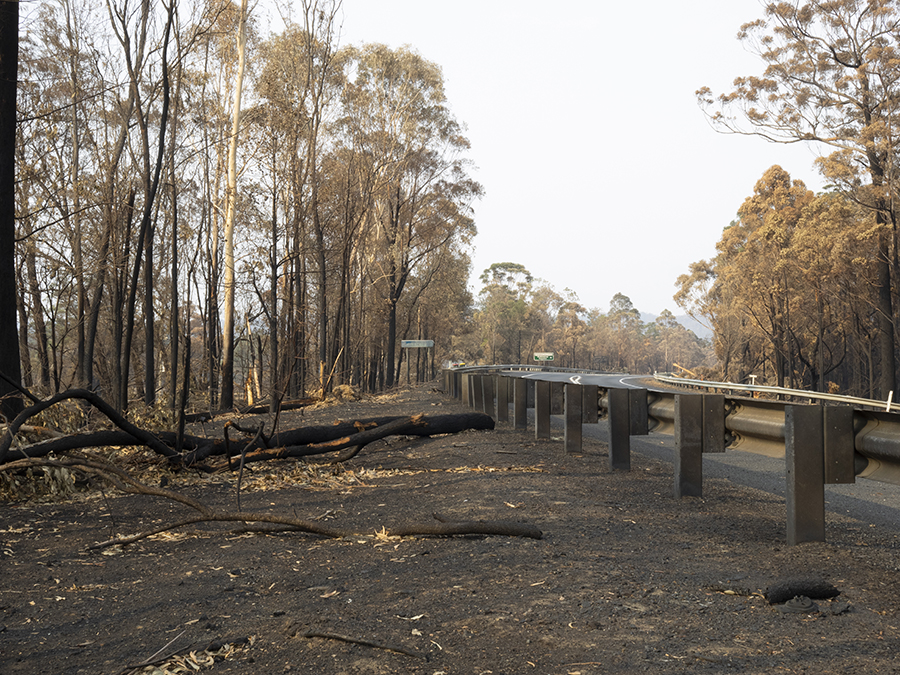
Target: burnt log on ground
[
  {"x": 140, "y": 436},
  {"x": 318, "y": 439},
  {"x": 301, "y": 442}
]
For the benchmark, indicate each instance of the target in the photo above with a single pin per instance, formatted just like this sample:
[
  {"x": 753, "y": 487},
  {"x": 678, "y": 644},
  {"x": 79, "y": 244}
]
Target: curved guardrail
[
  {"x": 777, "y": 391},
  {"x": 821, "y": 443}
]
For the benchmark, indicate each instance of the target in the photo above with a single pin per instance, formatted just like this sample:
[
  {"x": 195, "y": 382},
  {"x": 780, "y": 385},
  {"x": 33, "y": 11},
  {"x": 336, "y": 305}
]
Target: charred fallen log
[{"x": 301, "y": 442}]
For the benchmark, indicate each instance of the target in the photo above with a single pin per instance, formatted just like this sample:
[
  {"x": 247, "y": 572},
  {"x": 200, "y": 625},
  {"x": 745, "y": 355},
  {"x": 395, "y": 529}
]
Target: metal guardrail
[
  {"x": 837, "y": 442},
  {"x": 777, "y": 391}
]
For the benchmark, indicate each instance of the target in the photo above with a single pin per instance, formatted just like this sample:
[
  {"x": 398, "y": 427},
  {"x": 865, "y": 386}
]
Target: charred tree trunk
[
  {"x": 174, "y": 319},
  {"x": 24, "y": 351},
  {"x": 145, "y": 239},
  {"x": 274, "y": 393},
  {"x": 10, "y": 365}
]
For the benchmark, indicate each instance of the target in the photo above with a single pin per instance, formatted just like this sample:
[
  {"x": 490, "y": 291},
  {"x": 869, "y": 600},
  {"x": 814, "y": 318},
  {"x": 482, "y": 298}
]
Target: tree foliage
[
  {"x": 831, "y": 78},
  {"x": 517, "y": 315},
  {"x": 288, "y": 207},
  {"x": 788, "y": 294}
]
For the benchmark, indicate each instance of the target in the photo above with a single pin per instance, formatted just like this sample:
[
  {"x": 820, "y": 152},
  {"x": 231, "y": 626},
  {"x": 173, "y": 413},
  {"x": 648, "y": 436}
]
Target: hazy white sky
[{"x": 600, "y": 171}]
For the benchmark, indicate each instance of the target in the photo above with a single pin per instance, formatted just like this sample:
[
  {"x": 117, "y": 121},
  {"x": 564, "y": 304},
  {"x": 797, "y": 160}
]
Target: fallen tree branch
[
  {"x": 315, "y": 439},
  {"x": 360, "y": 641},
  {"x": 347, "y": 455},
  {"x": 813, "y": 587},
  {"x": 126, "y": 483},
  {"x": 398, "y": 426},
  {"x": 143, "y": 437},
  {"x": 158, "y": 657},
  {"x": 447, "y": 528}
]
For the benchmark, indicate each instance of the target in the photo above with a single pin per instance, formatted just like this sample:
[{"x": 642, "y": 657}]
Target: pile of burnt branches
[{"x": 188, "y": 450}]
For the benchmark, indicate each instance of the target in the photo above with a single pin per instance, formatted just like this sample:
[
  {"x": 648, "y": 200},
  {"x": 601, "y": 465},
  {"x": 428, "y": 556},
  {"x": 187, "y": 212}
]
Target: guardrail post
[
  {"x": 639, "y": 424},
  {"x": 688, "y": 445},
  {"x": 542, "y": 409},
  {"x": 590, "y": 404},
  {"x": 557, "y": 398},
  {"x": 477, "y": 392},
  {"x": 805, "y": 473},
  {"x": 520, "y": 403},
  {"x": 487, "y": 395},
  {"x": 573, "y": 404},
  {"x": 466, "y": 388},
  {"x": 619, "y": 423},
  {"x": 713, "y": 423},
  {"x": 502, "y": 398},
  {"x": 839, "y": 445}
]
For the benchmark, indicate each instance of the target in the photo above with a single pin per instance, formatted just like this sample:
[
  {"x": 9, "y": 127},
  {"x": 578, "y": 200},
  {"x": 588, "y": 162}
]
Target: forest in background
[
  {"x": 210, "y": 210},
  {"x": 264, "y": 215},
  {"x": 517, "y": 315},
  {"x": 242, "y": 215},
  {"x": 804, "y": 288}
]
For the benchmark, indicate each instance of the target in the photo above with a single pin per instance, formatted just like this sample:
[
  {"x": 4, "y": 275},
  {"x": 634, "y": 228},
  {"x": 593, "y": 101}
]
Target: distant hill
[{"x": 691, "y": 324}]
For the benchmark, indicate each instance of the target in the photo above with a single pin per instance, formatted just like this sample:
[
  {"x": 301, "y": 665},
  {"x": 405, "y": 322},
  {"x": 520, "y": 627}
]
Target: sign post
[{"x": 414, "y": 344}]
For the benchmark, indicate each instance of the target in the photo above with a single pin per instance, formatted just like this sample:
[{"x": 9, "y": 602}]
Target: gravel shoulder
[{"x": 626, "y": 578}]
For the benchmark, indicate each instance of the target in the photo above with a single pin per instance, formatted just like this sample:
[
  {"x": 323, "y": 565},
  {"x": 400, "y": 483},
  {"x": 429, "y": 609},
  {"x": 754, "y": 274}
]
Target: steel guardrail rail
[
  {"x": 778, "y": 391},
  {"x": 820, "y": 444},
  {"x": 758, "y": 425}
]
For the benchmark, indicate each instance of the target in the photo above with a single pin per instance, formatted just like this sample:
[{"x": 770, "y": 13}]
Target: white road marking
[{"x": 575, "y": 379}]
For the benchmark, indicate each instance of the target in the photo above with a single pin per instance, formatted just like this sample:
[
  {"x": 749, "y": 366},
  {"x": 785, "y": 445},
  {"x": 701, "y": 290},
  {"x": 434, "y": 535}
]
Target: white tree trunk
[{"x": 230, "y": 199}]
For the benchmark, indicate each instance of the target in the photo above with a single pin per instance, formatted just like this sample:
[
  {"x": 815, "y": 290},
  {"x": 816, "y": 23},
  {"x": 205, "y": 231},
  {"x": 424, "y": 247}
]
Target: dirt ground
[{"x": 625, "y": 579}]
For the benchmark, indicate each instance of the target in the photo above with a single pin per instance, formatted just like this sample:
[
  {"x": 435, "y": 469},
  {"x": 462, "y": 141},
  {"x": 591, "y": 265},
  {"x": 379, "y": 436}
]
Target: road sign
[
  {"x": 416, "y": 344},
  {"x": 543, "y": 356}
]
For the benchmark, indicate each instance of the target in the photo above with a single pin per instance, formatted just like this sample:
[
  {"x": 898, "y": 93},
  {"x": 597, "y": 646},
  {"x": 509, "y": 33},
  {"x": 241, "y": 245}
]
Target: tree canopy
[
  {"x": 831, "y": 78},
  {"x": 286, "y": 206}
]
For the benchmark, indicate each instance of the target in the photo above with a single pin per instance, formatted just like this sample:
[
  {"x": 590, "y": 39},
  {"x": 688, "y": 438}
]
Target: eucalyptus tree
[
  {"x": 141, "y": 42},
  {"x": 322, "y": 67},
  {"x": 33, "y": 141},
  {"x": 768, "y": 220},
  {"x": 543, "y": 308},
  {"x": 707, "y": 300},
  {"x": 53, "y": 127},
  {"x": 228, "y": 281},
  {"x": 569, "y": 329},
  {"x": 625, "y": 328},
  {"x": 211, "y": 68},
  {"x": 503, "y": 309},
  {"x": 301, "y": 78},
  {"x": 786, "y": 292},
  {"x": 443, "y": 306},
  {"x": 666, "y": 326},
  {"x": 831, "y": 78},
  {"x": 397, "y": 112}
]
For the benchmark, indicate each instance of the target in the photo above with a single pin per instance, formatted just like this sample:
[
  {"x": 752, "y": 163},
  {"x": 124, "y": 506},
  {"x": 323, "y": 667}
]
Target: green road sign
[
  {"x": 543, "y": 356},
  {"x": 416, "y": 344}
]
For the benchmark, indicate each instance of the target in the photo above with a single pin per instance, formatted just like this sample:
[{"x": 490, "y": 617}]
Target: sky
[{"x": 601, "y": 173}]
